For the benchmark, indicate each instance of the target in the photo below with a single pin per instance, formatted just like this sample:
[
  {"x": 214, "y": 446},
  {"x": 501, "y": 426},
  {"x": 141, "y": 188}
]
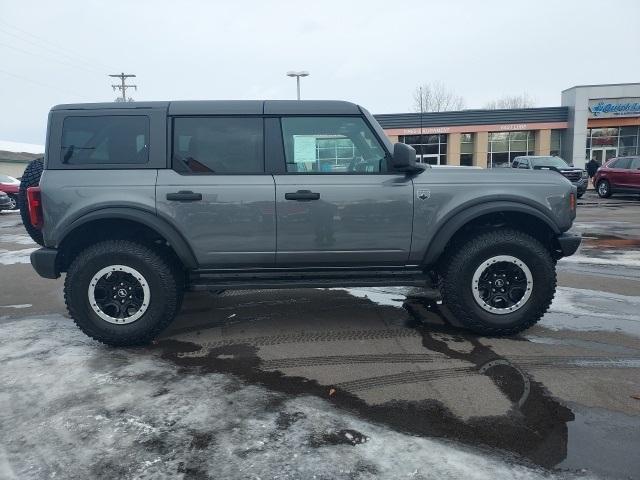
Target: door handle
[
  {"x": 184, "y": 196},
  {"x": 302, "y": 196}
]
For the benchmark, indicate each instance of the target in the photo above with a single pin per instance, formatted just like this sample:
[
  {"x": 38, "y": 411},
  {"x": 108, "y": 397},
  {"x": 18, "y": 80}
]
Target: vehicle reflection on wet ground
[{"x": 410, "y": 369}]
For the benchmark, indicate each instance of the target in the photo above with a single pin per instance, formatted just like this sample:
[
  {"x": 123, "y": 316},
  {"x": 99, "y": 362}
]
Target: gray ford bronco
[{"x": 140, "y": 202}]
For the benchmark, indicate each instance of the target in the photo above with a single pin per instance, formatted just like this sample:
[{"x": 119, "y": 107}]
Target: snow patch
[
  {"x": 17, "y": 238},
  {"x": 72, "y": 408},
  {"x": 626, "y": 258},
  {"x": 591, "y": 310},
  {"x": 11, "y": 257},
  {"x": 20, "y": 147},
  {"x": 20, "y": 306},
  {"x": 387, "y": 296}
]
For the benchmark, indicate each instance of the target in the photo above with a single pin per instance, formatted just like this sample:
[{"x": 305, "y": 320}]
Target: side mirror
[{"x": 404, "y": 157}]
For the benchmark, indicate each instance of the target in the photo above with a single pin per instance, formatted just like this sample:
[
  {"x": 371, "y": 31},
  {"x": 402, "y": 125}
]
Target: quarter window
[
  {"x": 218, "y": 145},
  {"x": 331, "y": 145},
  {"x": 109, "y": 139}
]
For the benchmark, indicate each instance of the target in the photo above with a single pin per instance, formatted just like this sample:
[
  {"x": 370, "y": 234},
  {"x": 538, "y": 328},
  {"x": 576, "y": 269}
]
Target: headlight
[{"x": 585, "y": 174}]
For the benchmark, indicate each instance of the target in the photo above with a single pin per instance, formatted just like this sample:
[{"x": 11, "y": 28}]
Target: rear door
[
  {"x": 217, "y": 192},
  {"x": 337, "y": 202},
  {"x": 633, "y": 175},
  {"x": 618, "y": 173}
]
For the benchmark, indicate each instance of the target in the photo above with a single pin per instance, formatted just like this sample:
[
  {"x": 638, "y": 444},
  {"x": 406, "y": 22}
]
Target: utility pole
[{"x": 123, "y": 86}]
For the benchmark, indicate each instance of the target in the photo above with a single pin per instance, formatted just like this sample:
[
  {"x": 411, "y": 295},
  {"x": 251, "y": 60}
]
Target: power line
[
  {"x": 47, "y": 57},
  {"x": 123, "y": 86},
  {"x": 46, "y": 85},
  {"x": 49, "y": 45}
]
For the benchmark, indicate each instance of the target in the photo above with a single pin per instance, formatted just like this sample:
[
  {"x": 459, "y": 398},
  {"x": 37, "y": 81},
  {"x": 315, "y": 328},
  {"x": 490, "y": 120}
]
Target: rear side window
[
  {"x": 109, "y": 139},
  {"x": 635, "y": 164},
  {"x": 218, "y": 145}
]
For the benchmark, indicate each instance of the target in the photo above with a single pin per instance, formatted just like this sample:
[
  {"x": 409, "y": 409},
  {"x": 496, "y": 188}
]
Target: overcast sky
[{"x": 371, "y": 52}]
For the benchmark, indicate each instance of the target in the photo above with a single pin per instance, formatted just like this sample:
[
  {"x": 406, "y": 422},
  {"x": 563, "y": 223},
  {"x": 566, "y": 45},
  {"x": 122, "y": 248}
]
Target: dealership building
[{"x": 593, "y": 121}]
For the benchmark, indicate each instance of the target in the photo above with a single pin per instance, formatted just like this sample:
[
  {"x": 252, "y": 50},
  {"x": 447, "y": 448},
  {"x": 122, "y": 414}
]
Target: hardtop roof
[{"x": 228, "y": 107}]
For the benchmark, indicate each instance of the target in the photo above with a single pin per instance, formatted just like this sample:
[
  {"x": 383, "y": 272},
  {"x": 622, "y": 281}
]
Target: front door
[
  {"x": 603, "y": 155},
  {"x": 217, "y": 193},
  {"x": 338, "y": 203}
]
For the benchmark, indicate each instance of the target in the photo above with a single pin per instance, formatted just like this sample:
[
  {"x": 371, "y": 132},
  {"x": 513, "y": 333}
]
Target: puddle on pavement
[{"x": 409, "y": 369}]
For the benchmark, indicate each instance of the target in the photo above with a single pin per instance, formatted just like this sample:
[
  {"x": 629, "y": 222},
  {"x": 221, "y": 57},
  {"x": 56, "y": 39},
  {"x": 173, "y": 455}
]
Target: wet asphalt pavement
[{"x": 342, "y": 383}]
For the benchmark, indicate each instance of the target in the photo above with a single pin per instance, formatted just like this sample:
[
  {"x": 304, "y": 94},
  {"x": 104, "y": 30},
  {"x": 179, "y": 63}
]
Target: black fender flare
[
  {"x": 459, "y": 218},
  {"x": 144, "y": 217}
]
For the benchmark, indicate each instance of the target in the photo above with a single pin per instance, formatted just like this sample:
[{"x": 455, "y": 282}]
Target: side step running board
[{"x": 283, "y": 278}]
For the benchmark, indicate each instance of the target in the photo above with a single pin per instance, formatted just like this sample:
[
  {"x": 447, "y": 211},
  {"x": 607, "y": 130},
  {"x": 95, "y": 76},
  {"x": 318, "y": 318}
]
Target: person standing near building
[{"x": 592, "y": 168}]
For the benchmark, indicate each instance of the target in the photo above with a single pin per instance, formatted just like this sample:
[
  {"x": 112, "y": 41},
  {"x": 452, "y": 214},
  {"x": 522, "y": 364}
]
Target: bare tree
[
  {"x": 434, "y": 97},
  {"x": 512, "y": 101}
]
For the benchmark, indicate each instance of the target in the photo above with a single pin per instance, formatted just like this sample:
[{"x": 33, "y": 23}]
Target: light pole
[{"x": 302, "y": 73}]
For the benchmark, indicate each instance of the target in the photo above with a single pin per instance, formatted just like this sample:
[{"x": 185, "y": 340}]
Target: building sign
[
  {"x": 425, "y": 130},
  {"x": 615, "y": 107}
]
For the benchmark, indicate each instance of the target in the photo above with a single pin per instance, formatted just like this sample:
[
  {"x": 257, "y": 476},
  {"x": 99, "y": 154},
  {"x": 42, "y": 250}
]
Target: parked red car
[
  {"x": 618, "y": 175},
  {"x": 10, "y": 186}
]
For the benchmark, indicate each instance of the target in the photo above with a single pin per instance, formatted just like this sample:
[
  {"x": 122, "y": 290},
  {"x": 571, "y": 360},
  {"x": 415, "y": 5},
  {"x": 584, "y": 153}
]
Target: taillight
[
  {"x": 572, "y": 202},
  {"x": 34, "y": 200}
]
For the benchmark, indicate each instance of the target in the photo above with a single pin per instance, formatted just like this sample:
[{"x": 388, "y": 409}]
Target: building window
[
  {"x": 556, "y": 143},
  {"x": 466, "y": 149},
  {"x": 431, "y": 149},
  {"x": 505, "y": 146},
  {"x": 609, "y": 142}
]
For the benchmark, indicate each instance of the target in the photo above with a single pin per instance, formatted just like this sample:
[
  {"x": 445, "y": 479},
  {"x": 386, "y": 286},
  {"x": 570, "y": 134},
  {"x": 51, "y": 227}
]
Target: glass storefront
[
  {"x": 466, "y": 149},
  {"x": 609, "y": 142},
  {"x": 505, "y": 146},
  {"x": 556, "y": 143},
  {"x": 431, "y": 149}
]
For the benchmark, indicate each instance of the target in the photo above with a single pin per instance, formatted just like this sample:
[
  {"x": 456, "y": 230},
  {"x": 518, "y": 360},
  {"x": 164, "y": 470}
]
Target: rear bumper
[
  {"x": 45, "y": 262},
  {"x": 568, "y": 243}
]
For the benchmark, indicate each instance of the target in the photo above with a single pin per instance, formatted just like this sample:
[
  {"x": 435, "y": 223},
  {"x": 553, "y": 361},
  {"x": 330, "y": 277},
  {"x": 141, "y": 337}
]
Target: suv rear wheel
[
  {"x": 499, "y": 282},
  {"x": 122, "y": 293},
  {"x": 604, "y": 189}
]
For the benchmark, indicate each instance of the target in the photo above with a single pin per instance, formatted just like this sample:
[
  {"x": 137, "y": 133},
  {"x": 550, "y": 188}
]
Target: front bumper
[
  {"x": 582, "y": 185},
  {"x": 45, "y": 262},
  {"x": 568, "y": 243}
]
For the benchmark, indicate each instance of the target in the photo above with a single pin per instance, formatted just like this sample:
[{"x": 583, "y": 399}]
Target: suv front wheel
[
  {"x": 499, "y": 282},
  {"x": 122, "y": 293}
]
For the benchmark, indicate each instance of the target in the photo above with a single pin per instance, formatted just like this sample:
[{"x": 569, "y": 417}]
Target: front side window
[
  {"x": 218, "y": 145},
  {"x": 108, "y": 139},
  {"x": 331, "y": 145},
  {"x": 622, "y": 163}
]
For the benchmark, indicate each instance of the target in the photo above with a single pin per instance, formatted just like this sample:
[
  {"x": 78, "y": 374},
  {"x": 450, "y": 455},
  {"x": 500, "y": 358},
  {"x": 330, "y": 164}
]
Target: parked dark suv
[
  {"x": 618, "y": 175},
  {"x": 577, "y": 176},
  {"x": 139, "y": 202}
]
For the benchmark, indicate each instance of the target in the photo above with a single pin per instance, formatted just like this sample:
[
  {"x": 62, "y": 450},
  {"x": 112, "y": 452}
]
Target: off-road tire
[
  {"x": 606, "y": 189},
  {"x": 30, "y": 178},
  {"x": 456, "y": 281},
  {"x": 164, "y": 280}
]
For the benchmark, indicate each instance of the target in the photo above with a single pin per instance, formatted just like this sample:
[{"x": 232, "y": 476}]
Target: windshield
[{"x": 549, "y": 162}]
